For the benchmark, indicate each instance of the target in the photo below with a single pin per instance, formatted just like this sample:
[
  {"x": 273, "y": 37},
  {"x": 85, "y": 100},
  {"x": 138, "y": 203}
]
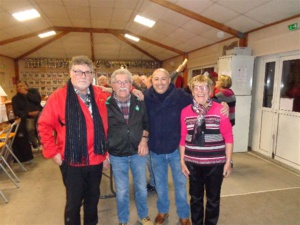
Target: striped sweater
[
  {"x": 227, "y": 95},
  {"x": 218, "y": 131}
]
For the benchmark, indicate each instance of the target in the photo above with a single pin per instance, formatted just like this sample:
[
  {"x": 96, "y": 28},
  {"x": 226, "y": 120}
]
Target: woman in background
[{"x": 225, "y": 94}]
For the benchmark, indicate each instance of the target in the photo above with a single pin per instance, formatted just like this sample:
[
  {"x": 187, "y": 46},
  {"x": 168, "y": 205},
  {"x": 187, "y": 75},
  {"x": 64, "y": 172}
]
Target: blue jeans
[
  {"x": 137, "y": 165},
  {"x": 160, "y": 169},
  {"x": 149, "y": 165}
]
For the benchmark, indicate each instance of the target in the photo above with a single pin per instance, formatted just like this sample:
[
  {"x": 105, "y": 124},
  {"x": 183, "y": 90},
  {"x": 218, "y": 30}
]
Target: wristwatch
[{"x": 231, "y": 162}]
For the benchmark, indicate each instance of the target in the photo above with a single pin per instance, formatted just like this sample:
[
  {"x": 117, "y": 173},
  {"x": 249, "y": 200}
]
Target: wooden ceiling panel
[
  {"x": 242, "y": 8},
  {"x": 275, "y": 11},
  {"x": 243, "y": 23},
  {"x": 217, "y": 13},
  {"x": 181, "y": 26}
]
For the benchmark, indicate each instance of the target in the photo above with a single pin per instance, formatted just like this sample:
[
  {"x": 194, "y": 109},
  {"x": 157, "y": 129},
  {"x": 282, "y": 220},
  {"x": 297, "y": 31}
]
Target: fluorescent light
[
  {"x": 132, "y": 37},
  {"x": 26, "y": 15},
  {"x": 47, "y": 34},
  {"x": 144, "y": 21}
]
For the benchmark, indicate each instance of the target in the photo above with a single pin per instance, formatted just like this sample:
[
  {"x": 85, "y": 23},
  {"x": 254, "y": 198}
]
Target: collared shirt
[
  {"x": 124, "y": 107},
  {"x": 86, "y": 99}
]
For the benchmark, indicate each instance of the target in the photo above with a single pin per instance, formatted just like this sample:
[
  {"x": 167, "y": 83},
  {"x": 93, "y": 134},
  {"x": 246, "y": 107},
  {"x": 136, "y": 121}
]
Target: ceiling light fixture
[
  {"x": 26, "y": 15},
  {"x": 47, "y": 34},
  {"x": 132, "y": 37},
  {"x": 144, "y": 21}
]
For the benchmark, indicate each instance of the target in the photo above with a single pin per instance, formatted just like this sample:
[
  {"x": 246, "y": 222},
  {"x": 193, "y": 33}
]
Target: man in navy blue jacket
[{"x": 164, "y": 103}]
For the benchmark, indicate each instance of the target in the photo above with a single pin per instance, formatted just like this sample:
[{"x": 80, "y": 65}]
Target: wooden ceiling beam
[
  {"x": 122, "y": 38},
  {"x": 19, "y": 38},
  {"x": 199, "y": 18},
  {"x": 154, "y": 42},
  {"x": 117, "y": 31},
  {"x": 42, "y": 45}
]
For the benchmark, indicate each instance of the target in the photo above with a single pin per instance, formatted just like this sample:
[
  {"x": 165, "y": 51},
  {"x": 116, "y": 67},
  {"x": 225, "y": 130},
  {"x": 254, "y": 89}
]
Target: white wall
[{"x": 7, "y": 73}]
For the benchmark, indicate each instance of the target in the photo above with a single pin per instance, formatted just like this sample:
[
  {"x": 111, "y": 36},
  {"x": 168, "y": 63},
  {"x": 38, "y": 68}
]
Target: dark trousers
[
  {"x": 205, "y": 179},
  {"x": 82, "y": 188}
]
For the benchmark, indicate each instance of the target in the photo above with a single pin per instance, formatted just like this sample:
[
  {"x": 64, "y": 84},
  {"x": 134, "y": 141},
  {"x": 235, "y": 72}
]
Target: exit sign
[{"x": 293, "y": 26}]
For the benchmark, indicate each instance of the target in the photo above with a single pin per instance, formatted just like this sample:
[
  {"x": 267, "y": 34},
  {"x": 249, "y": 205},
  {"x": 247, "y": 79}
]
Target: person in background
[
  {"x": 206, "y": 147},
  {"x": 164, "y": 103},
  {"x": 225, "y": 94},
  {"x": 34, "y": 99},
  {"x": 21, "y": 145},
  {"x": 146, "y": 81},
  {"x": 137, "y": 83},
  {"x": 127, "y": 138},
  {"x": 102, "y": 81},
  {"x": 73, "y": 131},
  {"x": 214, "y": 77}
]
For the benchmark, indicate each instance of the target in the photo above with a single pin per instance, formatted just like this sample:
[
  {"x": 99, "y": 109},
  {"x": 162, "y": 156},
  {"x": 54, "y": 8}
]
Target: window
[
  {"x": 269, "y": 84},
  {"x": 290, "y": 82}
]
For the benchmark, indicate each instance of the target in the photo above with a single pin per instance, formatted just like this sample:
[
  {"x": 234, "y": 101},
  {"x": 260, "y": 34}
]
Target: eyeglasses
[
  {"x": 79, "y": 73},
  {"x": 202, "y": 88},
  {"x": 122, "y": 82}
]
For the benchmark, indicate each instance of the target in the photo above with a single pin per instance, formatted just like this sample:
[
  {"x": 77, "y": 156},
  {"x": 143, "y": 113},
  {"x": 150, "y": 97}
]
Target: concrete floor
[{"x": 259, "y": 192}]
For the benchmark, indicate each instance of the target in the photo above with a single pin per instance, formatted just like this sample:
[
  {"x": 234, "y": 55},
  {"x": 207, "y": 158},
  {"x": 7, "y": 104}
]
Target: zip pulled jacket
[{"x": 123, "y": 138}]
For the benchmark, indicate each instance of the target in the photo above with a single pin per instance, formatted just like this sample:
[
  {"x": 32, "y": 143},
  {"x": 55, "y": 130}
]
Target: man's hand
[
  {"x": 225, "y": 109},
  {"x": 143, "y": 147},
  {"x": 139, "y": 94},
  {"x": 57, "y": 159}
]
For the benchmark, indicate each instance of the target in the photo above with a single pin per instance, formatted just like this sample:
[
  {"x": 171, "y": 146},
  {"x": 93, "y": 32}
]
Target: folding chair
[
  {"x": 3, "y": 162},
  {"x": 3, "y": 196},
  {"x": 9, "y": 142}
]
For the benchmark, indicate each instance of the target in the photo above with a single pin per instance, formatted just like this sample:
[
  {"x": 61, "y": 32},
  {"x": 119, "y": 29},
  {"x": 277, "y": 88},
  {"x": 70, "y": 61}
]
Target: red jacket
[{"x": 52, "y": 133}]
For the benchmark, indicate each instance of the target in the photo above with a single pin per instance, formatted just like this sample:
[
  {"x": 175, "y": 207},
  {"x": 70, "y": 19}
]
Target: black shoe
[{"x": 150, "y": 188}]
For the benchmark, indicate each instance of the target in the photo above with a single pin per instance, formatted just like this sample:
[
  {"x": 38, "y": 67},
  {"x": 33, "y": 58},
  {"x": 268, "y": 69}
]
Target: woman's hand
[{"x": 227, "y": 169}]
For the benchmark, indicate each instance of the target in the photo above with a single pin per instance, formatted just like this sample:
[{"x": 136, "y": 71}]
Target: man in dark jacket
[
  {"x": 127, "y": 139},
  {"x": 164, "y": 103},
  {"x": 34, "y": 99}
]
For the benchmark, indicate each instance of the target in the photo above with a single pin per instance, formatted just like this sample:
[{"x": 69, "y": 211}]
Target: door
[{"x": 280, "y": 115}]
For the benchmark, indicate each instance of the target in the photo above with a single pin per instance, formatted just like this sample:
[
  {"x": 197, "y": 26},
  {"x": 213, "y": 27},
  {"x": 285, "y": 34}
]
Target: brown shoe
[
  {"x": 185, "y": 221},
  {"x": 160, "y": 219}
]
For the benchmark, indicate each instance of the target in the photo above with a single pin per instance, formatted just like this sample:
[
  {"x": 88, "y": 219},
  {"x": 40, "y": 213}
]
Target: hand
[
  {"x": 143, "y": 147},
  {"x": 225, "y": 109},
  {"x": 137, "y": 93},
  {"x": 34, "y": 113},
  {"x": 58, "y": 159},
  {"x": 184, "y": 169},
  {"x": 227, "y": 169},
  {"x": 106, "y": 164},
  {"x": 23, "y": 91},
  {"x": 106, "y": 89}
]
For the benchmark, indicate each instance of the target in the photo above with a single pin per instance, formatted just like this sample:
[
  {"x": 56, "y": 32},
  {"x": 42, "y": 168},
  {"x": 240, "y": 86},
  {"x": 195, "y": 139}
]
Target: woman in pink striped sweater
[{"x": 206, "y": 148}]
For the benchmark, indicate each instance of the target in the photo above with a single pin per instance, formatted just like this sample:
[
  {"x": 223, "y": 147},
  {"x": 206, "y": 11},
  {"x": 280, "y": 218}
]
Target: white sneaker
[{"x": 146, "y": 221}]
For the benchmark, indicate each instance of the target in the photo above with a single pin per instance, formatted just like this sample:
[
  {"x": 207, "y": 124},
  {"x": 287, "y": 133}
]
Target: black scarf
[
  {"x": 76, "y": 152},
  {"x": 199, "y": 127}
]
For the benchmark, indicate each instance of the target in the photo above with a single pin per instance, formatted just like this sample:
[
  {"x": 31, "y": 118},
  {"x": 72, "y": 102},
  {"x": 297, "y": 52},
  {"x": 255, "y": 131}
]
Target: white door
[{"x": 280, "y": 114}]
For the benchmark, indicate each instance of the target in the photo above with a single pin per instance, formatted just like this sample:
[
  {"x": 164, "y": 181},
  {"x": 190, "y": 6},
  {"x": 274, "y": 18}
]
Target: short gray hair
[
  {"x": 122, "y": 72},
  {"x": 81, "y": 60}
]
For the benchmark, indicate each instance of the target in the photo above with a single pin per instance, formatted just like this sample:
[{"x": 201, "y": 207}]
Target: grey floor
[{"x": 259, "y": 192}]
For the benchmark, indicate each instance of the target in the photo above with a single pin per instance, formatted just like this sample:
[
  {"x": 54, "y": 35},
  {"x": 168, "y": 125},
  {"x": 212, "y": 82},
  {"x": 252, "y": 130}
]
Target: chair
[
  {"x": 3, "y": 196},
  {"x": 3, "y": 163},
  {"x": 12, "y": 134}
]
